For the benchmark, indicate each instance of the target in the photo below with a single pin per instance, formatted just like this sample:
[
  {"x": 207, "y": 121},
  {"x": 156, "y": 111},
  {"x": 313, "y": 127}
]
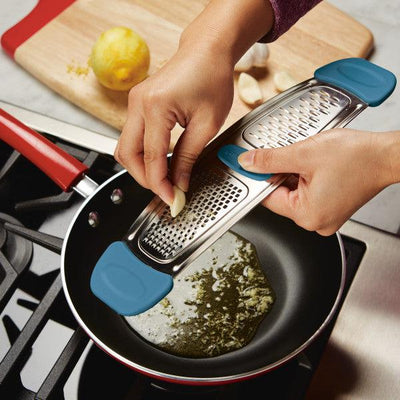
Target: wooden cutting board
[{"x": 54, "y": 41}]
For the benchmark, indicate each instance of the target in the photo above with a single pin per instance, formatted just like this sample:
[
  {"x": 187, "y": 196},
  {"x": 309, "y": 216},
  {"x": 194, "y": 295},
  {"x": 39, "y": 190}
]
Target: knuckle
[
  {"x": 307, "y": 225},
  {"x": 147, "y": 98},
  {"x": 326, "y": 232},
  {"x": 329, "y": 228},
  {"x": 268, "y": 157},
  {"x": 186, "y": 158},
  {"x": 263, "y": 157},
  {"x": 116, "y": 155},
  {"x": 150, "y": 154},
  {"x": 121, "y": 156},
  {"x": 312, "y": 223},
  {"x": 151, "y": 97}
]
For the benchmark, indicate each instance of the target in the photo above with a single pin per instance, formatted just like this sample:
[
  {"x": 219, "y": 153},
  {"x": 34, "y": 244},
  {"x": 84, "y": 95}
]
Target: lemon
[{"x": 120, "y": 58}]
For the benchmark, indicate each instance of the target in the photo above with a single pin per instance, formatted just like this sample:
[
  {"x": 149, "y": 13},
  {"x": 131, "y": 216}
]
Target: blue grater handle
[
  {"x": 229, "y": 154},
  {"x": 125, "y": 283},
  {"x": 369, "y": 82}
]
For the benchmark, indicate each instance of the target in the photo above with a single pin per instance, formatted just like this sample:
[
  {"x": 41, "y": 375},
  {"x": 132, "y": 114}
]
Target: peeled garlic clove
[
  {"x": 246, "y": 61},
  {"x": 179, "y": 201},
  {"x": 283, "y": 81},
  {"x": 249, "y": 89},
  {"x": 256, "y": 56},
  {"x": 260, "y": 54}
]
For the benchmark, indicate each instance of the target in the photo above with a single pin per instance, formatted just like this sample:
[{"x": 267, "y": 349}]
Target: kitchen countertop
[
  {"x": 362, "y": 357},
  {"x": 382, "y": 18},
  {"x": 362, "y": 360}
]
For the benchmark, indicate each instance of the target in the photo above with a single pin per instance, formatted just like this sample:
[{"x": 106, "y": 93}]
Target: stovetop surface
[{"x": 44, "y": 353}]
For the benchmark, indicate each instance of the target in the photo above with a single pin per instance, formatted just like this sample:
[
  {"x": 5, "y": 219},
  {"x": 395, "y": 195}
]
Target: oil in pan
[{"x": 216, "y": 304}]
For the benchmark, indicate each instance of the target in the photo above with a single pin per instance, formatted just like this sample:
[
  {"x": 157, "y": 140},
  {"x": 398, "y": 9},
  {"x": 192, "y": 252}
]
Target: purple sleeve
[{"x": 286, "y": 14}]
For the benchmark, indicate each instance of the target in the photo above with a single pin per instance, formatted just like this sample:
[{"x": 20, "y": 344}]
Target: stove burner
[{"x": 17, "y": 250}]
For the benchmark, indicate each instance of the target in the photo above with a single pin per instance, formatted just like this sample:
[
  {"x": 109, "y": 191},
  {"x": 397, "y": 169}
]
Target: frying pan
[{"x": 305, "y": 270}]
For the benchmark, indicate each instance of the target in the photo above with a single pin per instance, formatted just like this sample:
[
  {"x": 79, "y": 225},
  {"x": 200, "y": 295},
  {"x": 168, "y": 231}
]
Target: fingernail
[
  {"x": 183, "y": 181},
  {"x": 246, "y": 159}
]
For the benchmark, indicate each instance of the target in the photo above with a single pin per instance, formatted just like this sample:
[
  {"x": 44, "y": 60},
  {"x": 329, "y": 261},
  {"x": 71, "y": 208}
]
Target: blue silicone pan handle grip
[
  {"x": 125, "y": 283},
  {"x": 369, "y": 82}
]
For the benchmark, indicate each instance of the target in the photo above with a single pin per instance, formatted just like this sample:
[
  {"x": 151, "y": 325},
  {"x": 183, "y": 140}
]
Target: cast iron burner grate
[
  {"x": 29, "y": 197},
  {"x": 15, "y": 255}
]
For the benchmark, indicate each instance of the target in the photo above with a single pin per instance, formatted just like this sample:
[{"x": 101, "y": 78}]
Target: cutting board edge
[{"x": 41, "y": 15}]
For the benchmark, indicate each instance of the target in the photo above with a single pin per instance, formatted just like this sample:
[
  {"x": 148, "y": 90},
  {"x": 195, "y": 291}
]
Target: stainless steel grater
[
  {"x": 219, "y": 196},
  {"x": 221, "y": 192}
]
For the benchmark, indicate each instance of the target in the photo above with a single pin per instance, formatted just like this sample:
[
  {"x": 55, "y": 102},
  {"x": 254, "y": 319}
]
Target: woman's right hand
[{"x": 195, "y": 90}]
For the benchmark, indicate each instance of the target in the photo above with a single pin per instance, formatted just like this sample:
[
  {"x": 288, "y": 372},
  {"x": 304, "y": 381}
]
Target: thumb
[{"x": 286, "y": 159}]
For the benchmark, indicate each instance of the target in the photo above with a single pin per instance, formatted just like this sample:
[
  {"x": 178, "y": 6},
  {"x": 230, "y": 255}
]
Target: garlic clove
[
  {"x": 283, "y": 81},
  {"x": 179, "y": 202},
  {"x": 249, "y": 89},
  {"x": 260, "y": 54},
  {"x": 256, "y": 56},
  {"x": 245, "y": 62}
]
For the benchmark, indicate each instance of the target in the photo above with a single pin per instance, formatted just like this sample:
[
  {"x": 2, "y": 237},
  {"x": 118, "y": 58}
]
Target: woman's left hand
[{"x": 335, "y": 173}]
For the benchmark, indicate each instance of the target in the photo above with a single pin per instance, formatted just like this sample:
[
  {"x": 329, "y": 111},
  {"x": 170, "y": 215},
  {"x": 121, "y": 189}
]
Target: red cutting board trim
[{"x": 44, "y": 12}]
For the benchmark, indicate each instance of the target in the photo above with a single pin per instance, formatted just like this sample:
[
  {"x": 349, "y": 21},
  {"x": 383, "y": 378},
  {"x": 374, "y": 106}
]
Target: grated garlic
[{"x": 212, "y": 309}]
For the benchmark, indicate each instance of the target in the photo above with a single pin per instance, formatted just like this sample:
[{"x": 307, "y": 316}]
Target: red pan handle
[{"x": 58, "y": 165}]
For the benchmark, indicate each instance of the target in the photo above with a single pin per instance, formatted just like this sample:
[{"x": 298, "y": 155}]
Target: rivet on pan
[
  {"x": 117, "y": 196},
  {"x": 94, "y": 219}
]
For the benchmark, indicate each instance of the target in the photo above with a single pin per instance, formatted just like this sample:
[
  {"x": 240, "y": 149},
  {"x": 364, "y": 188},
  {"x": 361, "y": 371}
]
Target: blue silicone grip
[
  {"x": 125, "y": 283},
  {"x": 369, "y": 82},
  {"x": 229, "y": 154}
]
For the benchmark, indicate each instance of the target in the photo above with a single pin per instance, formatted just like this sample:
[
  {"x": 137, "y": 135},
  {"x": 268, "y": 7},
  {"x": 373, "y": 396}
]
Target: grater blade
[{"x": 219, "y": 196}]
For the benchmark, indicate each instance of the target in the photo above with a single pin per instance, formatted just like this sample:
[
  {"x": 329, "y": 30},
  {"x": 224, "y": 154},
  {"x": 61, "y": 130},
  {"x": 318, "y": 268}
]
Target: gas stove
[{"x": 44, "y": 354}]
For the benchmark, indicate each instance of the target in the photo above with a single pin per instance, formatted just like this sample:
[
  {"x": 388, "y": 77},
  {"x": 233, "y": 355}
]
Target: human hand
[
  {"x": 195, "y": 90},
  {"x": 336, "y": 172}
]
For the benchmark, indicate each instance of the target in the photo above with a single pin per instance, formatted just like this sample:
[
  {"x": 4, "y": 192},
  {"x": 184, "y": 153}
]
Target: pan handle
[{"x": 62, "y": 168}]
